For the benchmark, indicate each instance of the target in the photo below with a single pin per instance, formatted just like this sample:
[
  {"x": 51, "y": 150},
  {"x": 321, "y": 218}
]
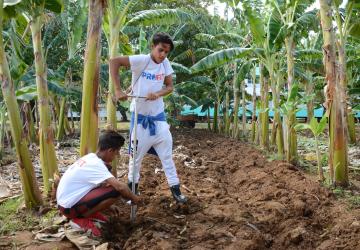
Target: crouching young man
[{"x": 87, "y": 187}]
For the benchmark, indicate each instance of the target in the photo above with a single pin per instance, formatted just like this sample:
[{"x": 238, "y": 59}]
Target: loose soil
[{"x": 237, "y": 200}]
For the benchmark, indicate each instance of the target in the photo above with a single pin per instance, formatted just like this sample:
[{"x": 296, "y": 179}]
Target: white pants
[{"x": 162, "y": 143}]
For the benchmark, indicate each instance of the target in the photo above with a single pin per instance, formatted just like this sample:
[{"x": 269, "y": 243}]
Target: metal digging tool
[{"x": 134, "y": 153}]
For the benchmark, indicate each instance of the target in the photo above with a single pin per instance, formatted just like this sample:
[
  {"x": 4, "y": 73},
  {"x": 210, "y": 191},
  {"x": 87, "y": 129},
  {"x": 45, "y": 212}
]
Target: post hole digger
[{"x": 133, "y": 145}]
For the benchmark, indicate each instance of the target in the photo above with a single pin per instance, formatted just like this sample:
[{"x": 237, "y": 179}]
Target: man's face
[
  {"x": 112, "y": 154},
  {"x": 160, "y": 51}
]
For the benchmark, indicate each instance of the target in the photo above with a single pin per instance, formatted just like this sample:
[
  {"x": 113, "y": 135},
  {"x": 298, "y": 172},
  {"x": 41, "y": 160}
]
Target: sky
[{"x": 220, "y": 7}]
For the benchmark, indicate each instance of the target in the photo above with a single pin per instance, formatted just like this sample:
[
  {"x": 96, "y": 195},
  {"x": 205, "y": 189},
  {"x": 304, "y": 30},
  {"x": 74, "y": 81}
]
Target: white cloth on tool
[{"x": 151, "y": 80}]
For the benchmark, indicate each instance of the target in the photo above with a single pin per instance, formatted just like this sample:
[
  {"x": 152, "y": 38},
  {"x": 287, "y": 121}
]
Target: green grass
[
  {"x": 352, "y": 199},
  {"x": 13, "y": 219}
]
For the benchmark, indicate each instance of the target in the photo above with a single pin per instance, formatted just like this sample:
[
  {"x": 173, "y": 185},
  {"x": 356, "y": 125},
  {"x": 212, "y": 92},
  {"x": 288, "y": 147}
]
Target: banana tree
[
  {"x": 317, "y": 129},
  {"x": 3, "y": 121},
  {"x": 236, "y": 94},
  {"x": 34, "y": 13},
  {"x": 253, "y": 117},
  {"x": 335, "y": 96},
  {"x": 266, "y": 41},
  {"x": 264, "y": 108},
  {"x": 74, "y": 18},
  {"x": 310, "y": 70},
  {"x": 293, "y": 18},
  {"x": 89, "y": 109},
  {"x": 277, "y": 129},
  {"x": 29, "y": 184},
  {"x": 345, "y": 26},
  {"x": 116, "y": 15},
  {"x": 265, "y": 49}
]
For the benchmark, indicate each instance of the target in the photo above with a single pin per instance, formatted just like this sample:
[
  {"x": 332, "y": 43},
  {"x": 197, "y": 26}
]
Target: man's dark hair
[
  {"x": 162, "y": 37},
  {"x": 110, "y": 139}
]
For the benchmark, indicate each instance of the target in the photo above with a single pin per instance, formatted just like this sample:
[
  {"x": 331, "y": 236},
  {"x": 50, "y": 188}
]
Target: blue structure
[{"x": 302, "y": 113}]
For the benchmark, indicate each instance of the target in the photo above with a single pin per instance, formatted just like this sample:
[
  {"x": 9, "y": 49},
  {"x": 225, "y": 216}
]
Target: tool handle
[{"x": 134, "y": 96}]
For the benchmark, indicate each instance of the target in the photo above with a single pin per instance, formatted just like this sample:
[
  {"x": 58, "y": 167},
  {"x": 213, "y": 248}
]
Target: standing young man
[{"x": 152, "y": 78}]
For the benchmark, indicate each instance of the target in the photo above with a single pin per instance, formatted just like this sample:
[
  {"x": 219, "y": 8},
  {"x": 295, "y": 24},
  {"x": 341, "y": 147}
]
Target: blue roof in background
[
  {"x": 302, "y": 113},
  {"x": 197, "y": 111},
  {"x": 357, "y": 114}
]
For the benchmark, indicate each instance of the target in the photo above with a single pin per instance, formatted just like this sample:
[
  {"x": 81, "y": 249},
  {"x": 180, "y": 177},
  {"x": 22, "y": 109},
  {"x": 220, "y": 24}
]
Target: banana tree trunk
[
  {"x": 236, "y": 108},
  {"x": 215, "y": 121},
  {"x": 279, "y": 122},
  {"x": 227, "y": 115},
  {"x": 253, "y": 118},
  {"x": 277, "y": 133},
  {"x": 243, "y": 109},
  {"x": 32, "y": 130},
  {"x": 343, "y": 68},
  {"x": 309, "y": 89},
  {"x": 349, "y": 117},
  {"x": 46, "y": 132},
  {"x": 89, "y": 108},
  {"x": 57, "y": 107},
  {"x": 291, "y": 150},
  {"x": 351, "y": 125},
  {"x": 318, "y": 157},
  {"x": 24, "y": 114},
  {"x": 29, "y": 184},
  {"x": 264, "y": 115},
  {"x": 208, "y": 119},
  {"x": 113, "y": 52},
  {"x": 72, "y": 119},
  {"x": 67, "y": 129},
  {"x": 61, "y": 125},
  {"x": 2, "y": 131},
  {"x": 62, "y": 115},
  {"x": 335, "y": 100}
]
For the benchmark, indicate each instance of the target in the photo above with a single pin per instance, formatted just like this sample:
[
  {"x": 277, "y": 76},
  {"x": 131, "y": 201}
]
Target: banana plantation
[{"x": 263, "y": 109}]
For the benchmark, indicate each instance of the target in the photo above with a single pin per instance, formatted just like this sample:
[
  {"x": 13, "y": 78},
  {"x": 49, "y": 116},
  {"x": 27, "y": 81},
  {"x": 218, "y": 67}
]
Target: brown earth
[{"x": 237, "y": 200}]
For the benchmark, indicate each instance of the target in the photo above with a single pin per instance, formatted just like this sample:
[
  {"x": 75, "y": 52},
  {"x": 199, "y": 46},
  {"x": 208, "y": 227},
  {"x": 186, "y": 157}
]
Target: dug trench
[{"x": 237, "y": 200}]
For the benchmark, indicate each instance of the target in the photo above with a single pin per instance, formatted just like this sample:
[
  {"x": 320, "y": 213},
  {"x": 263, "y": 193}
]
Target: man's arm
[
  {"x": 169, "y": 87},
  {"x": 114, "y": 65},
  {"x": 123, "y": 190}
]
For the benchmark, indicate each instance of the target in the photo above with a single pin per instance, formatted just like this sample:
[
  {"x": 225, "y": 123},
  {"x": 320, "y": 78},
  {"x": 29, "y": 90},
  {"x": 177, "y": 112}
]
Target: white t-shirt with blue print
[{"x": 148, "y": 77}]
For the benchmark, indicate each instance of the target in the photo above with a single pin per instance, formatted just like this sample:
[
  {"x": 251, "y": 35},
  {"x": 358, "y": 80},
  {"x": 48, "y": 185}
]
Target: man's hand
[
  {"x": 152, "y": 96},
  {"x": 137, "y": 200},
  {"x": 141, "y": 200},
  {"x": 119, "y": 95},
  {"x": 115, "y": 211}
]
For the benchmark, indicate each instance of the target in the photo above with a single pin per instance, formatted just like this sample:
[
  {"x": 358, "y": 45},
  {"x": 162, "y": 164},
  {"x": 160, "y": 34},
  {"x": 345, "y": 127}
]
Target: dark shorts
[{"x": 90, "y": 200}]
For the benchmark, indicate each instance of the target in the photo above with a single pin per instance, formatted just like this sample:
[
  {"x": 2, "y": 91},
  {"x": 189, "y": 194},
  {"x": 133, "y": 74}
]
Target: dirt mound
[{"x": 237, "y": 200}]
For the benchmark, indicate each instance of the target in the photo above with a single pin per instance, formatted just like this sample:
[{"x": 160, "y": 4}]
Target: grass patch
[
  {"x": 352, "y": 199},
  {"x": 48, "y": 218},
  {"x": 274, "y": 156},
  {"x": 11, "y": 219}
]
